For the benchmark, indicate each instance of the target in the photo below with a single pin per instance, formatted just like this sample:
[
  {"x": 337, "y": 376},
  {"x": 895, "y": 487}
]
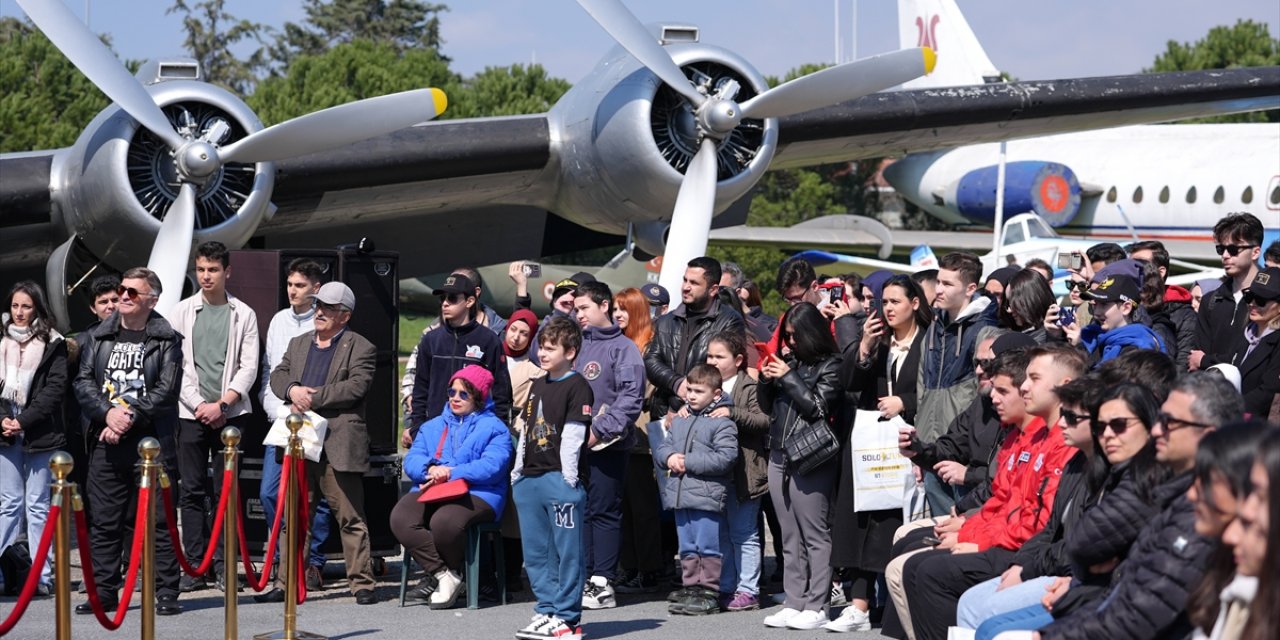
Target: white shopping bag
[
  {"x": 878, "y": 467},
  {"x": 657, "y": 433},
  {"x": 957, "y": 633},
  {"x": 312, "y": 433}
]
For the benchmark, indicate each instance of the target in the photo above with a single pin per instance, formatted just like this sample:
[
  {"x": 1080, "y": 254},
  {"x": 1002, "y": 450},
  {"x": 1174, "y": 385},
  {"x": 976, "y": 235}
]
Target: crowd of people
[{"x": 1095, "y": 466}]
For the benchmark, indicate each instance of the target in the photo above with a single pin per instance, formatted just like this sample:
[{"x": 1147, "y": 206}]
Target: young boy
[
  {"x": 698, "y": 453},
  {"x": 546, "y": 483}
]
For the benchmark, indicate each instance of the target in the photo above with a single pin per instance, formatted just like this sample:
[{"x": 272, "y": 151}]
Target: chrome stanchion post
[
  {"x": 149, "y": 449},
  {"x": 290, "y": 565},
  {"x": 231, "y": 455},
  {"x": 61, "y": 464}
]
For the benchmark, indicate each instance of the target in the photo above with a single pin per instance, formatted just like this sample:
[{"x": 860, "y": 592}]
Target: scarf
[
  {"x": 1252, "y": 337},
  {"x": 526, "y": 316},
  {"x": 21, "y": 353}
]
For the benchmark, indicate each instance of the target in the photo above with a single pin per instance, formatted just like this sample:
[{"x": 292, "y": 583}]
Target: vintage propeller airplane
[{"x": 663, "y": 138}]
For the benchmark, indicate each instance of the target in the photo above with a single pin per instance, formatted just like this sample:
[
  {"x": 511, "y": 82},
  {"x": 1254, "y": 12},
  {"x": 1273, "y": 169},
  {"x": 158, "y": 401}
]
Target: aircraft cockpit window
[
  {"x": 1247, "y": 196},
  {"x": 1036, "y": 229},
  {"x": 1137, "y": 195},
  {"x": 1164, "y": 195},
  {"x": 1013, "y": 234},
  {"x": 1191, "y": 195},
  {"x": 1219, "y": 195},
  {"x": 1111, "y": 194},
  {"x": 1275, "y": 195}
]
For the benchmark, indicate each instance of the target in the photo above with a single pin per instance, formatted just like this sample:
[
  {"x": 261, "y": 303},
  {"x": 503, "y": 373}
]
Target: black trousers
[
  {"x": 890, "y": 625},
  {"x": 641, "y": 517},
  {"x": 602, "y": 533},
  {"x": 935, "y": 580},
  {"x": 196, "y": 444},
  {"x": 435, "y": 533},
  {"x": 113, "y": 505}
]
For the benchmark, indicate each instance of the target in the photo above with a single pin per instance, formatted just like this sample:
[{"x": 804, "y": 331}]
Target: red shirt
[{"x": 1023, "y": 489}]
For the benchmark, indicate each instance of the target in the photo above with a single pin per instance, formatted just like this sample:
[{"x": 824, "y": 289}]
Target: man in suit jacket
[{"x": 329, "y": 371}]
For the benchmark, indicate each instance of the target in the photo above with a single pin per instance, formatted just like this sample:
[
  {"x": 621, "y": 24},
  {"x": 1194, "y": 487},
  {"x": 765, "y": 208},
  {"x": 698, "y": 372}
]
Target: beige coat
[{"x": 242, "y": 355}]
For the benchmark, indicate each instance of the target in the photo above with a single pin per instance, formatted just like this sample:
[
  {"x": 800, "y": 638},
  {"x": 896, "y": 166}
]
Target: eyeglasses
[
  {"x": 330, "y": 308},
  {"x": 1169, "y": 421},
  {"x": 1072, "y": 418},
  {"x": 462, "y": 395},
  {"x": 1077, "y": 284},
  {"x": 130, "y": 292},
  {"x": 1118, "y": 425},
  {"x": 985, "y": 364},
  {"x": 1232, "y": 249}
]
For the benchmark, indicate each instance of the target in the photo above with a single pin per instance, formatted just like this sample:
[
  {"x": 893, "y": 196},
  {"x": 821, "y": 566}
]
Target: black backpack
[{"x": 15, "y": 564}]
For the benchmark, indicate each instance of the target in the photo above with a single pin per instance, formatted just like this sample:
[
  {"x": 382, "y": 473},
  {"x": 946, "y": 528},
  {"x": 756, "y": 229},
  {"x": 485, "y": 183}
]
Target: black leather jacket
[
  {"x": 663, "y": 353},
  {"x": 808, "y": 391},
  {"x": 162, "y": 368}
]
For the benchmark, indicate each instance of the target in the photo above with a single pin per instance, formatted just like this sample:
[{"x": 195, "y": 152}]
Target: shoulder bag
[{"x": 445, "y": 490}]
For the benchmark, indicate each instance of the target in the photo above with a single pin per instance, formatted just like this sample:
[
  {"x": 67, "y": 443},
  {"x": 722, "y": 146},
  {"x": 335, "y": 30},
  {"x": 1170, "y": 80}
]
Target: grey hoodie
[
  {"x": 710, "y": 446},
  {"x": 611, "y": 363}
]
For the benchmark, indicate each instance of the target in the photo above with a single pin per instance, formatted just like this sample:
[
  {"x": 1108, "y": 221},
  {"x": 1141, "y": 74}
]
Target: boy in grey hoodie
[{"x": 698, "y": 452}]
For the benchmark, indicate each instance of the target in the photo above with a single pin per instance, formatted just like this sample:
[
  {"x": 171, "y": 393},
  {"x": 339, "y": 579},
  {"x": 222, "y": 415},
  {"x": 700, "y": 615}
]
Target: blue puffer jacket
[
  {"x": 477, "y": 449},
  {"x": 1105, "y": 345},
  {"x": 710, "y": 446}
]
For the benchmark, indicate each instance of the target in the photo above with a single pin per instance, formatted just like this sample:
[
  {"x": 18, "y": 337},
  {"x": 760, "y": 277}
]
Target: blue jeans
[
  {"x": 740, "y": 544},
  {"x": 551, "y": 523},
  {"x": 268, "y": 493},
  {"x": 1027, "y": 619},
  {"x": 982, "y": 602},
  {"x": 24, "y": 495}
]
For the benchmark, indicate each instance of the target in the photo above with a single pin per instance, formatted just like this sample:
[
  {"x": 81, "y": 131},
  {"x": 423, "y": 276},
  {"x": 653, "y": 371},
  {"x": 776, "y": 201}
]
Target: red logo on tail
[{"x": 928, "y": 35}]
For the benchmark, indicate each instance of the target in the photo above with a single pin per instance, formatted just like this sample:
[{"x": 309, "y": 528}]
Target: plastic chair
[{"x": 476, "y": 536}]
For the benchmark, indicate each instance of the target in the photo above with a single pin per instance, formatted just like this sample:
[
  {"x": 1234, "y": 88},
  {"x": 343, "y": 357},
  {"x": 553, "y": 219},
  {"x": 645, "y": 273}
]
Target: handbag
[
  {"x": 809, "y": 444},
  {"x": 445, "y": 490}
]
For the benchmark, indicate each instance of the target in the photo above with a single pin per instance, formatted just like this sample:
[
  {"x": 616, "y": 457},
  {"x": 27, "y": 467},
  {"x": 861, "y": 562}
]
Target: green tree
[
  {"x": 505, "y": 91},
  {"x": 211, "y": 33},
  {"x": 350, "y": 71},
  {"x": 403, "y": 24},
  {"x": 45, "y": 102},
  {"x": 1246, "y": 44}
]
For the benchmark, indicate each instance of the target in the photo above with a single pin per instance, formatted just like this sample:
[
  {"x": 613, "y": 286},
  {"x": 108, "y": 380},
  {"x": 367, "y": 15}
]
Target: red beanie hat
[{"x": 478, "y": 377}]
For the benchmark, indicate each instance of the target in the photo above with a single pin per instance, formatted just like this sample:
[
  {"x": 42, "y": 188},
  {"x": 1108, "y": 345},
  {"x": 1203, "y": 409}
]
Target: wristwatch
[{"x": 224, "y": 407}]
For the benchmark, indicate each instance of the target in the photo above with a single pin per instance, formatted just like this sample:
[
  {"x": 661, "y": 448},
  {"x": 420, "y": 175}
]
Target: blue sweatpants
[{"x": 551, "y": 523}]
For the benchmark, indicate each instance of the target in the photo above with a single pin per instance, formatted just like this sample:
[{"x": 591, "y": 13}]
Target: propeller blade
[
  {"x": 691, "y": 220},
  {"x": 631, "y": 34},
  {"x": 97, "y": 63},
  {"x": 172, "y": 249},
  {"x": 840, "y": 83},
  {"x": 337, "y": 126}
]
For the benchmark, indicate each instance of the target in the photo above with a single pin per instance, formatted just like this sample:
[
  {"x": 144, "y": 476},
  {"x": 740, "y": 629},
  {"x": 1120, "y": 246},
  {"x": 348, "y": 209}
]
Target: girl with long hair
[
  {"x": 631, "y": 313},
  {"x": 33, "y": 382}
]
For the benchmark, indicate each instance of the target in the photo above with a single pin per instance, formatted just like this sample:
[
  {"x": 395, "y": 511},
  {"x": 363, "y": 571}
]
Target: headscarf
[
  {"x": 875, "y": 282},
  {"x": 526, "y": 316}
]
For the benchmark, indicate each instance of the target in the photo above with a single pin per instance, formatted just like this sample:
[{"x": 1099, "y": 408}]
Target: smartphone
[
  {"x": 837, "y": 293},
  {"x": 532, "y": 270},
  {"x": 877, "y": 310},
  {"x": 1066, "y": 316},
  {"x": 1071, "y": 260},
  {"x": 932, "y": 541}
]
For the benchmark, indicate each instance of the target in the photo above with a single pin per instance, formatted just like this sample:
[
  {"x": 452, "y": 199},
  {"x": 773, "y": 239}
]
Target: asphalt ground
[{"x": 333, "y": 613}]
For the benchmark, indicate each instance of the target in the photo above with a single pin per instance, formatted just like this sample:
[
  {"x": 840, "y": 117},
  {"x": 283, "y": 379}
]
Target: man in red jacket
[{"x": 1033, "y": 457}]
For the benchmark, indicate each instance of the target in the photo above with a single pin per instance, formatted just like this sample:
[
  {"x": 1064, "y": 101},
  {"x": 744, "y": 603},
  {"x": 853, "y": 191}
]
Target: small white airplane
[{"x": 1160, "y": 182}]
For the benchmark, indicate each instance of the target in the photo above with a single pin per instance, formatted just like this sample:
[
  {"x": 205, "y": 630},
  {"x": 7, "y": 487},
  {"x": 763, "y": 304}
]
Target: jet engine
[{"x": 1048, "y": 189}]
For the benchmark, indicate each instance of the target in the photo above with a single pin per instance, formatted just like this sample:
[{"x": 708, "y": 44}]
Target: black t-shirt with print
[
  {"x": 123, "y": 382},
  {"x": 551, "y": 404}
]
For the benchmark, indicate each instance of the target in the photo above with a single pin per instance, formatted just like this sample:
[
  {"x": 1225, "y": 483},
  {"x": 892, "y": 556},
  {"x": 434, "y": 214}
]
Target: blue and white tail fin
[
  {"x": 939, "y": 25},
  {"x": 922, "y": 258}
]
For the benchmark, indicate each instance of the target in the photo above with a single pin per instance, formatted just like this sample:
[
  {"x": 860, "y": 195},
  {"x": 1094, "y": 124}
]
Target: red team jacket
[{"x": 1023, "y": 489}]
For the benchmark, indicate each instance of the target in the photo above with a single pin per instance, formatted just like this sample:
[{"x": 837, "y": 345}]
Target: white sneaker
[
  {"x": 851, "y": 619},
  {"x": 448, "y": 586},
  {"x": 806, "y": 620},
  {"x": 557, "y": 628},
  {"x": 537, "y": 628},
  {"x": 780, "y": 619},
  {"x": 598, "y": 594},
  {"x": 837, "y": 595}
]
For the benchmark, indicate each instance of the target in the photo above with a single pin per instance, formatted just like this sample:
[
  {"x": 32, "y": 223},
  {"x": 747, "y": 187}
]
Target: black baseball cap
[
  {"x": 574, "y": 281},
  {"x": 1011, "y": 341},
  {"x": 455, "y": 283},
  {"x": 656, "y": 294},
  {"x": 1266, "y": 285},
  {"x": 1115, "y": 288}
]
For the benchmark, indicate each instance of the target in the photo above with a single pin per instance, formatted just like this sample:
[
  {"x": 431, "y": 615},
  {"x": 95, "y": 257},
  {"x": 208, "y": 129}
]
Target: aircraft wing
[{"x": 902, "y": 122}]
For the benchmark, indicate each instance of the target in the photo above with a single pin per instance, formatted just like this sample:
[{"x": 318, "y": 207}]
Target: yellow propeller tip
[
  {"x": 930, "y": 60},
  {"x": 441, "y": 101}
]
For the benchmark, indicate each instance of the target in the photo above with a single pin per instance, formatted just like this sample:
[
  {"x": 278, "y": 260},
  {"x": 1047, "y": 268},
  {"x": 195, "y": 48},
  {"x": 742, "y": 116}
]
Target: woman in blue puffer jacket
[{"x": 466, "y": 442}]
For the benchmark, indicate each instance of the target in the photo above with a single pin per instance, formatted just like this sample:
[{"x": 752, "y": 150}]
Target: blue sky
[{"x": 1031, "y": 40}]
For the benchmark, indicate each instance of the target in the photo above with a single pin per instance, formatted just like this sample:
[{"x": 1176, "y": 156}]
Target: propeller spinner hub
[
  {"x": 719, "y": 117},
  {"x": 198, "y": 159}
]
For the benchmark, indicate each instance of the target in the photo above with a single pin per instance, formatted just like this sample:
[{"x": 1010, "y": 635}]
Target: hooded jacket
[
  {"x": 1220, "y": 324},
  {"x": 444, "y": 351},
  {"x": 161, "y": 369},
  {"x": 1105, "y": 345},
  {"x": 710, "y": 446},
  {"x": 43, "y": 427},
  {"x": 662, "y": 355},
  {"x": 611, "y": 364},
  {"x": 947, "y": 382},
  {"x": 477, "y": 448}
]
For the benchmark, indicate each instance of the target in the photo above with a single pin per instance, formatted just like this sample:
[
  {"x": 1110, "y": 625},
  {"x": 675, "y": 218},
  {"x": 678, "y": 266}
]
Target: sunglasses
[
  {"x": 1077, "y": 284},
  {"x": 1072, "y": 418},
  {"x": 1232, "y": 249},
  {"x": 453, "y": 298},
  {"x": 461, "y": 395},
  {"x": 1118, "y": 425},
  {"x": 1169, "y": 421},
  {"x": 985, "y": 363},
  {"x": 130, "y": 292},
  {"x": 1255, "y": 300}
]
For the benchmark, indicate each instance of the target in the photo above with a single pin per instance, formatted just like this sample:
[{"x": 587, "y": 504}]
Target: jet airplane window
[
  {"x": 1219, "y": 195},
  {"x": 1247, "y": 196},
  {"x": 1137, "y": 195},
  {"x": 1191, "y": 195},
  {"x": 1164, "y": 195},
  {"x": 1111, "y": 194},
  {"x": 1275, "y": 195}
]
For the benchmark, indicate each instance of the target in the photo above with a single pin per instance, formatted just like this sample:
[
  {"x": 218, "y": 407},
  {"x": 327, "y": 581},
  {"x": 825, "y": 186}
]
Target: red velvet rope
[
  {"x": 256, "y": 582},
  {"x": 214, "y": 535},
  {"x": 37, "y": 565},
  {"x": 304, "y": 509},
  {"x": 135, "y": 561}
]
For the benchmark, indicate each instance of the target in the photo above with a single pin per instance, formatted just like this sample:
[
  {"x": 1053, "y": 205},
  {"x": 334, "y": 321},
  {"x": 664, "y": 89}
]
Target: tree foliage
[
  {"x": 211, "y": 33},
  {"x": 402, "y": 24},
  {"x": 1246, "y": 44},
  {"x": 45, "y": 102},
  {"x": 506, "y": 91}
]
